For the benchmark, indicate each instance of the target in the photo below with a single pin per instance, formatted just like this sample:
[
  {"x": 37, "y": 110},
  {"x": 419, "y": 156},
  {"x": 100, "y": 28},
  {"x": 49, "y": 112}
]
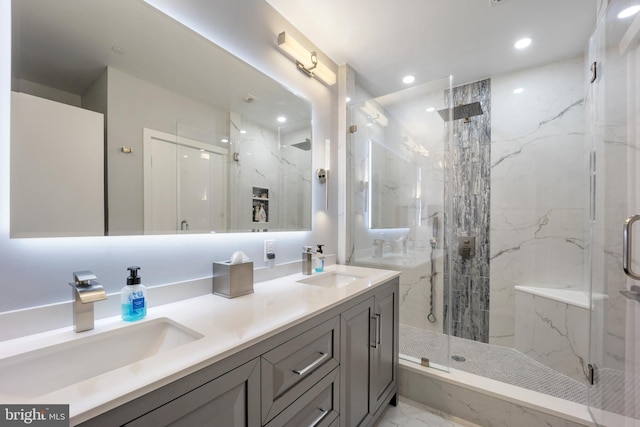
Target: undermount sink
[
  {"x": 47, "y": 369},
  {"x": 332, "y": 279}
]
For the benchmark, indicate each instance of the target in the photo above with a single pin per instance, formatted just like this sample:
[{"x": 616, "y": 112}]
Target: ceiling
[{"x": 384, "y": 40}]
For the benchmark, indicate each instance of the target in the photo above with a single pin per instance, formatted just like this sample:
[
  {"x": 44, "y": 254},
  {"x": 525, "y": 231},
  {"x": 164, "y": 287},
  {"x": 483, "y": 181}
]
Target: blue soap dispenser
[
  {"x": 319, "y": 259},
  {"x": 133, "y": 297}
]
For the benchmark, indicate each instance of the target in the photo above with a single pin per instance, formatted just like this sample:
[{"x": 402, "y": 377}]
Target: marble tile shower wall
[
  {"x": 537, "y": 186},
  {"x": 468, "y": 192},
  {"x": 530, "y": 207}
]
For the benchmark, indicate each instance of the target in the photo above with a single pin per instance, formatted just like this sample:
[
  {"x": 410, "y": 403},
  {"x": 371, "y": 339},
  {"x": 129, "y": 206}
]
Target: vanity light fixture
[
  {"x": 323, "y": 173},
  {"x": 306, "y": 61}
]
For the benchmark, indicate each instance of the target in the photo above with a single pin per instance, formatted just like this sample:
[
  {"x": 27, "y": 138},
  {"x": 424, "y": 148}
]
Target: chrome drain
[{"x": 458, "y": 358}]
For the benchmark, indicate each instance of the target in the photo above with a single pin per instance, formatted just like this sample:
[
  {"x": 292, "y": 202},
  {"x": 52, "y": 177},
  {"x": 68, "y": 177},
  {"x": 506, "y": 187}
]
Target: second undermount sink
[
  {"x": 333, "y": 279},
  {"x": 38, "y": 372}
]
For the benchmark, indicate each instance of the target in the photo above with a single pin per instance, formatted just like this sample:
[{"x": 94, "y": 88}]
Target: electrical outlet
[{"x": 269, "y": 250}]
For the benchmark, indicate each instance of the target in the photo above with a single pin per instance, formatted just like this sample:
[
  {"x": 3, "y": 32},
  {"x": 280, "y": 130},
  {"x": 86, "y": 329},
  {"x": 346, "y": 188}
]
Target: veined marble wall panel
[
  {"x": 553, "y": 333},
  {"x": 468, "y": 191},
  {"x": 537, "y": 185}
]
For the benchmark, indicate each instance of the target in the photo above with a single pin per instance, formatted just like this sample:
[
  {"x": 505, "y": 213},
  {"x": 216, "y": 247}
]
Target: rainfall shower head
[
  {"x": 462, "y": 111},
  {"x": 304, "y": 145}
]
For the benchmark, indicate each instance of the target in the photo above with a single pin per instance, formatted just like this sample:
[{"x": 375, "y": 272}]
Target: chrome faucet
[
  {"x": 307, "y": 260},
  {"x": 85, "y": 291}
]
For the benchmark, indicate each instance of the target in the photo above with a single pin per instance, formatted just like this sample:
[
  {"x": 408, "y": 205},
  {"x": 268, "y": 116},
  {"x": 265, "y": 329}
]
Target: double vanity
[{"x": 319, "y": 350}]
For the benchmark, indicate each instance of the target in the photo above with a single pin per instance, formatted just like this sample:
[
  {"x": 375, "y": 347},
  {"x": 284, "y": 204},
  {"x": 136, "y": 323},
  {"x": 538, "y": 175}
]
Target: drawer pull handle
[
  {"x": 317, "y": 421},
  {"x": 319, "y": 360}
]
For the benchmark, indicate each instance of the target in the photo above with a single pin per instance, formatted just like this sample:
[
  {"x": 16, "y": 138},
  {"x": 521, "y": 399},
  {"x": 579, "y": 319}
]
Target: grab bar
[{"x": 627, "y": 247}]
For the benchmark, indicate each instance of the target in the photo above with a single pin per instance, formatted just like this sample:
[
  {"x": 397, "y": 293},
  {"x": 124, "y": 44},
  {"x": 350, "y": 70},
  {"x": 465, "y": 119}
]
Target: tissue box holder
[{"x": 232, "y": 280}]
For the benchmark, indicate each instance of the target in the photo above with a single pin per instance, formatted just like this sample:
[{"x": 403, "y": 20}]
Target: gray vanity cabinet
[
  {"x": 227, "y": 401},
  {"x": 294, "y": 366},
  {"x": 368, "y": 358},
  {"x": 337, "y": 368},
  {"x": 385, "y": 349},
  {"x": 355, "y": 361},
  {"x": 318, "y": 407}
]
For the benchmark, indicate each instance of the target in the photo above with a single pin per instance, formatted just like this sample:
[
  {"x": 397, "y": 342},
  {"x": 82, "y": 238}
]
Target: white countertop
[{"x": 227, "y": 326}]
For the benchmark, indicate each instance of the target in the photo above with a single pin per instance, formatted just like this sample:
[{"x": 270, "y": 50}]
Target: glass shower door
[
  {"x": 398, "y": 150},
  {"x": 614, "y": 119}
]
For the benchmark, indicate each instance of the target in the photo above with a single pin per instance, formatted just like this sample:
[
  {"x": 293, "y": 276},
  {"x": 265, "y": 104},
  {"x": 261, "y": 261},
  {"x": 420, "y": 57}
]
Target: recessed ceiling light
[
  {"x": 630, "y": 11},
  {"x": 408, "y": 79},
  {"x": 430, "y": 110},
  {"x": 523, "y": 43},
  {"x": 281, "y": 119},
  {"x": 518, "y": 90},
  {"x": 224, "y": 140},
  {"x": 243, "y": 131},
  {"x": 348, "y": 99}
]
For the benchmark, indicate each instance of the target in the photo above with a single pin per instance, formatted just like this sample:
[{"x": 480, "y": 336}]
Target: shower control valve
[{"x": 466, "y": 247}]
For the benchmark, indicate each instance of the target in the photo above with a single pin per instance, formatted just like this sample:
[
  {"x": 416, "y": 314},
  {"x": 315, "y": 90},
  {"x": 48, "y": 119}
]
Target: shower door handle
[{"x": 627, "y": 247}]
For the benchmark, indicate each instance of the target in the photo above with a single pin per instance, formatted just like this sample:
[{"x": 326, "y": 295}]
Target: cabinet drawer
[
  {"x": 318, "y": 407},
  {"x": 293, "y": 367},
  {"x": 227, "y": 401}
]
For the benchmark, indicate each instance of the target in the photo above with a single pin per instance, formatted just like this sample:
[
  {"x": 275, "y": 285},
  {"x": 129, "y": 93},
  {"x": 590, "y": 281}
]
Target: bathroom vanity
[{"x": 320, "y": 353}]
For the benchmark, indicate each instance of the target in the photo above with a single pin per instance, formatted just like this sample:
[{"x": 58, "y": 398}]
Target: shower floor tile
[{"x": 491, "y": 361}]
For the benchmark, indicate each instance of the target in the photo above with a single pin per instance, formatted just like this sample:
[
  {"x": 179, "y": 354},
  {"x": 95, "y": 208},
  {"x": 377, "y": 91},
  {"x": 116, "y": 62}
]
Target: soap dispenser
[
  {"x": 133, "y": 297},
  {"x": 319, "y": 259}
]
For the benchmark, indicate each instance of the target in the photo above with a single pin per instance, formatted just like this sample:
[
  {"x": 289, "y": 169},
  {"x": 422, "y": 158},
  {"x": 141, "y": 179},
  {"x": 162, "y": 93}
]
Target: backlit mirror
[{"x": 126, "y": 122}]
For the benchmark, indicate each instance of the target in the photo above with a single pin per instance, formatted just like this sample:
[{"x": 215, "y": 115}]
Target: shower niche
[{"x": 260, "y": 203}]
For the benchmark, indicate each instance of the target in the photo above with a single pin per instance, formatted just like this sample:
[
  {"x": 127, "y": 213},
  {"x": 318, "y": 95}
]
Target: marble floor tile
[{"x": 412, "y": 414}]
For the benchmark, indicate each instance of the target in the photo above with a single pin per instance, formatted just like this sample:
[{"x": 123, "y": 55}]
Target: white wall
[{"x": 35, "y": 271}]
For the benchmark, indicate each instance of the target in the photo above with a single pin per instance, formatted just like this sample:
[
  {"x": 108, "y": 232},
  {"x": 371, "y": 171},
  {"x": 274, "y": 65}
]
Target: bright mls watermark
[{"x": 34, "y": 415}]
